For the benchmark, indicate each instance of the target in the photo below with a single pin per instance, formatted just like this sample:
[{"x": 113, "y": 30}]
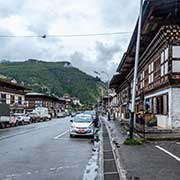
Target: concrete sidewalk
[{"x": 144, "y": 162}]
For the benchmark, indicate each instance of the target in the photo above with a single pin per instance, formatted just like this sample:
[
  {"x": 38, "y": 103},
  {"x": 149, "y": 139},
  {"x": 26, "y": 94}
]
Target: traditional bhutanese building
[
  {"x": 54, "y": 104},
  {"x": 158, "y": 81},
  {"x": 13, "y": 94}
]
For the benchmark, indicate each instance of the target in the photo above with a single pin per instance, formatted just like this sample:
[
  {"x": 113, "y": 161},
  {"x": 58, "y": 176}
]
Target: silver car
[{"x": 82, "y": 125}]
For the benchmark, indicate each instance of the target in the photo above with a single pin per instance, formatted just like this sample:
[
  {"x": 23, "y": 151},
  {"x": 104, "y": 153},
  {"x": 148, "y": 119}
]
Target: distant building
[
  {"x": 13, "y": 94},
  {"x": 67, "y": 65},
  {"x": 54, "y": 104}
]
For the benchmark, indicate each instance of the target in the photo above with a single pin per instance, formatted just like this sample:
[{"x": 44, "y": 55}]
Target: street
[{"x": 43, "y": 151}]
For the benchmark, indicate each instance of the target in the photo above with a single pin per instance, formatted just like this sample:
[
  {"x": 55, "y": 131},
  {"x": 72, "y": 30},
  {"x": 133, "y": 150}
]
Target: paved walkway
[{"x": 151, "y": 161}]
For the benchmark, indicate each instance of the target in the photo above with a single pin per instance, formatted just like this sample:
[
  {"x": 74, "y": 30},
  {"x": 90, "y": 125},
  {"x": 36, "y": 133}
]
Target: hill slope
[{"x": 57, "y": 78}]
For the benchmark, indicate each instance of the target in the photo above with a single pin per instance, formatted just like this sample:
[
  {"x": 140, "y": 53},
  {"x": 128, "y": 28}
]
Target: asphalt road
[{"x": 43, "y": 151}]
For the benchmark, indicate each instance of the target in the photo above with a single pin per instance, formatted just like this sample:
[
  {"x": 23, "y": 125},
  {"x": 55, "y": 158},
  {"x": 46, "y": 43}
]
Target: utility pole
[
  {"x": 135, "y": 71},
  {"x": 103, "y": 72},
  {"x": 100, "y": 73}
]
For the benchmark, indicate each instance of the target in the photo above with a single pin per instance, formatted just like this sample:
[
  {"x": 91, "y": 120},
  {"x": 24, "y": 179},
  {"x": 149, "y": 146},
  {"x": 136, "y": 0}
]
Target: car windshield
[
  {"x": 82, "y": 118},
  {"x": 90, "y": 112}
]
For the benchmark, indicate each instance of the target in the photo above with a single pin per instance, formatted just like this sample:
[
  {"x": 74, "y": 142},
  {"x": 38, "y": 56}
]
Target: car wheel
[
  {"x": 16, "y": 124},
  {"x": 71, "y": 136}
]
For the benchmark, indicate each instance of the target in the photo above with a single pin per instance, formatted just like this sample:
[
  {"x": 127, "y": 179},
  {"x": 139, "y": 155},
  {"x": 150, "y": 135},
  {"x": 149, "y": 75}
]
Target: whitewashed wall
[{"x": 175, "y": 108}]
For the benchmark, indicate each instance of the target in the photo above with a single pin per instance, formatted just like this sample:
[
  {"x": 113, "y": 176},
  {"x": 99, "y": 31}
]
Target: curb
[
  {"x": 100, "y": 175},
  {"x": 121, "y": 171}
]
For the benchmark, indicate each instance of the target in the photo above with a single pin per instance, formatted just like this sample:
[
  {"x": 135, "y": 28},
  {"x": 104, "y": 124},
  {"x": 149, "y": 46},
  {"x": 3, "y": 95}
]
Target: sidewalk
[{"x": 144, "y": 162}]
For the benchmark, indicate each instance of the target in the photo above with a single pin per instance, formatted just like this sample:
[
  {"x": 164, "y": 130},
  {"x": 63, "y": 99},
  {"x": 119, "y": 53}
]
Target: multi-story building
[
  {"x": 54, "y": 104},
  {"x": 13, "y": 94},
  {"x": 158, "y": 82}
]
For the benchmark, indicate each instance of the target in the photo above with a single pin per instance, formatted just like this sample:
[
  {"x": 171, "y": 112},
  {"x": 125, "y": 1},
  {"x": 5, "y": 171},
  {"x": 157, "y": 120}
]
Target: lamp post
[{"x": 135, "y": 72}]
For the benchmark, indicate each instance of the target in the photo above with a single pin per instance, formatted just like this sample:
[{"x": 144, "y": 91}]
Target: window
[
  {"x": 142, "y": 80},
  {"x": 176, "y": 66},
  {"x": 12, "y": 99},
  {"x": 19, "y": 100},
  {"x": 151, "y": 73},
  {"x": 3, "y": 98},
  {"x": 8, "y": 99},
  {"x": 38, "y": 103},
  {"x": 160, "y": 105},
  {"x": 176, "y": 51},
  {"x": 164, "y": 62}
]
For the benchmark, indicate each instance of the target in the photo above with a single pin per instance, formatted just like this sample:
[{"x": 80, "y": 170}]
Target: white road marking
[
  {"x": 172, "y": 155},
  {"x": 58, "y": 136}
]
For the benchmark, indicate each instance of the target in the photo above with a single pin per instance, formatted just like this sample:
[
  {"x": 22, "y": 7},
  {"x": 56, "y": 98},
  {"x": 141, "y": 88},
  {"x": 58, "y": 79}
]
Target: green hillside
[{"x": 57, "y": 78}]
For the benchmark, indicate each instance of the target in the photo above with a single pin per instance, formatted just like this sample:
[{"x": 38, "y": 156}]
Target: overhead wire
[{"x": 66, "y": 35}]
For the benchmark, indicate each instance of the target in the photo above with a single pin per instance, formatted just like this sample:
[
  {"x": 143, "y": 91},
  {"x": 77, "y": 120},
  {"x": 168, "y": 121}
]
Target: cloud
[
  {"x": 67, "y": 17},
  {"x": 120, "y": 14}
]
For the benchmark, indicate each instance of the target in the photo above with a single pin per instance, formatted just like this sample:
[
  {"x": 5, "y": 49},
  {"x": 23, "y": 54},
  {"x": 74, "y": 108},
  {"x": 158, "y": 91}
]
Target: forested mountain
[{"x": 55, "y": 78}]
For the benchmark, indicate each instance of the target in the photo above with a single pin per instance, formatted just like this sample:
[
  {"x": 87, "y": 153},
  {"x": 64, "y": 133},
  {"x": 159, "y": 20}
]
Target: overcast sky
[{"x": 59, "y": 17}]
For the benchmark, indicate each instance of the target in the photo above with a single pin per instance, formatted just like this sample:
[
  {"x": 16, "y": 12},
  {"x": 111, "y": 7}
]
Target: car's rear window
[{"x": 82, "y": 119}]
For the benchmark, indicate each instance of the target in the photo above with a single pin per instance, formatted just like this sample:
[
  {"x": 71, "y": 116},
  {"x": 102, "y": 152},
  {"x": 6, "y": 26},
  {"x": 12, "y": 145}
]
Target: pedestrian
[{"x": 96, "y": 120}]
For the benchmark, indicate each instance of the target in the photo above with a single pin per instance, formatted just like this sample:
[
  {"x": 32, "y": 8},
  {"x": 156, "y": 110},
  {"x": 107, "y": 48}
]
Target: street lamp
[{"x": 103, "y": 72}]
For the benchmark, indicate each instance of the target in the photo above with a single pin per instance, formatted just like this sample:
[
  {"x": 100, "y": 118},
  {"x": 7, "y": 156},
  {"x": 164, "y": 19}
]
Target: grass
[{"x": 134, "y": 141}]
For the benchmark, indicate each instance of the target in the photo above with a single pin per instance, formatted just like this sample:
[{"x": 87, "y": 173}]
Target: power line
[{"x": 65, "y": 35}]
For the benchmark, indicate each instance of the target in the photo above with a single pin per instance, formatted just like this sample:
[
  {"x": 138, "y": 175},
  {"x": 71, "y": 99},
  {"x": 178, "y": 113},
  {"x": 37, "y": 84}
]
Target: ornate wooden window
[
  {"x": 164, "y": 62},
  {"x": 151, "y": 72},
  {"x": 176, "y": 51},
  {"x": 176, "y": 59},
  {"x": 142, "y": 80}
]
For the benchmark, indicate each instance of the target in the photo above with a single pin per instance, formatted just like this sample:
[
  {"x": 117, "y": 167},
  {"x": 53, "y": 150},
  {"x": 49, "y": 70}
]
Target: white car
[
  {"x": 60, "y": 115},
  {"x": 24, "y": 119},
  {"x": 82, "y": 125}
]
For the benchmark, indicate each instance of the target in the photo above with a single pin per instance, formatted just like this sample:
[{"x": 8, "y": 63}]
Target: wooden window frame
[
  {"x": 151, "y": 73},
  {"x": 164, "y": 62},
  {"x": 142, "y": 80}
]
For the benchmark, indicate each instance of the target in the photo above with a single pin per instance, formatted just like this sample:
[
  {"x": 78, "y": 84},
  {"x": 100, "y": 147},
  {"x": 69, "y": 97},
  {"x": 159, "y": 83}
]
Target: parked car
[
  {"x": 43, "y": 113},
  {"x": 60, "y": 114},
  {"x": 82, "y": 125},
  {"x": 34, "y": 117},
  {"x": 23, "y": 119},
  {"x": 4, "y": 115},
  {"x": 27, "y": 119},
  {"x": 18, "y": 118},
  {"x": 73, "y": 114}
]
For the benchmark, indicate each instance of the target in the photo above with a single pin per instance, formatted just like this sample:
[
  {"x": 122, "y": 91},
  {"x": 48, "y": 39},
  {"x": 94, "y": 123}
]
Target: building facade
[
  {"x": 13, "y": 94},
  {"x": 54, "y": 104},
  {"x": 158, "y": 81}
]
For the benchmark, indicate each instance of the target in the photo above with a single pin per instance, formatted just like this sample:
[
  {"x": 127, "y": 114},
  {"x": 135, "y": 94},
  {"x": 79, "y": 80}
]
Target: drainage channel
[{"x": 110, "y": 169}]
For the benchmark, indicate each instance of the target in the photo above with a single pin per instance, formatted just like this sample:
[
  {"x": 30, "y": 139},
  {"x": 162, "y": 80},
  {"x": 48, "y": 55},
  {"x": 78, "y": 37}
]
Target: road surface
[{"x": 43, "y": 151}]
